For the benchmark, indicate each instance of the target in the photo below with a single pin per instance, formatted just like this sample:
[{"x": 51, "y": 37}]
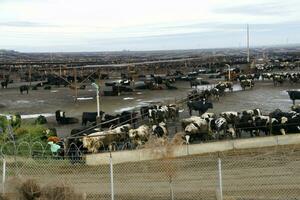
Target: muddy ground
[{"x": 264, "y": 95}]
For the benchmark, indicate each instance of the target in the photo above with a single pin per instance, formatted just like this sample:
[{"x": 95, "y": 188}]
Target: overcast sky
[{"x": 109, "y": 25}]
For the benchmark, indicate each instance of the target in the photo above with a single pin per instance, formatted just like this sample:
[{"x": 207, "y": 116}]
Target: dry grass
[
  {"x": 164, "y": 148},
  {"x": 60, "y": 192},
  {"x": 31, "y": 190}
]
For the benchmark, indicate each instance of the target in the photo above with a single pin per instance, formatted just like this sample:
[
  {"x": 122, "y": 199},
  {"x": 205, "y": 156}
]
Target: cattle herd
[
  {"x": 207, "y": 126},
  {"x": 125, "y": 134},
  {"x": 236, "y": 124},
  {"x": 277, "y": 78}
]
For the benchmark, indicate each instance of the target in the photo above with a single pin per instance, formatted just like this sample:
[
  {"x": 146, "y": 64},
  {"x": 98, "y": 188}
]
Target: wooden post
[
  {"x": 75, "y": 82},
  {"x": 29, "y": 75}
]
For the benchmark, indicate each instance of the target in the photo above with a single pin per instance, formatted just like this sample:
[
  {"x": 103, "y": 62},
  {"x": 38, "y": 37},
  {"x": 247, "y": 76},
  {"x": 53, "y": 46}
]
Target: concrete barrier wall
[{"x": 193, "y": 149}]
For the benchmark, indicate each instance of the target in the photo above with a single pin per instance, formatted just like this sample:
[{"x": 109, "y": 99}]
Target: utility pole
[
  {"x": 248, "y": 44},
  {"x": 98, "y": 118}
]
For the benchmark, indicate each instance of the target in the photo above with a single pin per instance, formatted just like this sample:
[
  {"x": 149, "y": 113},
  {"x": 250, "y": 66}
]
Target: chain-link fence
[{"x": 265, "y": 176}]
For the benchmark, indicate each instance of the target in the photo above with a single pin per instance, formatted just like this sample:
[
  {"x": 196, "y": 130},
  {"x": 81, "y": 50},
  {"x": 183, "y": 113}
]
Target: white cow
[
  {"x": 105, "y": 138},
  {"x": 187, "y": 121},
  {"x": 139, "y": 135}
]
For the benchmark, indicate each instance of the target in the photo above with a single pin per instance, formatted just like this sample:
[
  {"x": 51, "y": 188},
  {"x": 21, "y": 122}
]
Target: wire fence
[{"x": 242, "y": 175}]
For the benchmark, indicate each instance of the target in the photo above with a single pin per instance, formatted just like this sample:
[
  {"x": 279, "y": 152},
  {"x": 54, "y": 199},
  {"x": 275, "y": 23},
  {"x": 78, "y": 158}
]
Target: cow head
[
  {"x": 125, "y": 128},
  {"x": 231, "y": 132},
  {"x": 132, "y": 133},
  {"x": 191, "y": 129},
  {"x": 283, "y": 120}
]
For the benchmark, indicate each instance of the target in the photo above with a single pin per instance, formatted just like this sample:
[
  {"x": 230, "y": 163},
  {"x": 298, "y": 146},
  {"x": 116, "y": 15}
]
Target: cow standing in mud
[
  {"x": 24, "y": 88},
  {"x": 4, "y": 84},
  {"x": 62, "y": 119},
  {"x": 200, "y": 106},
  {"x": 247, "y": 83}
]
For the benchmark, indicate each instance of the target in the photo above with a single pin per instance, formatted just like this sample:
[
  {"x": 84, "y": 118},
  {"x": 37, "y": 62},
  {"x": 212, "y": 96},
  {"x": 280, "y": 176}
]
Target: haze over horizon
[{"x": 93, "y": 25}]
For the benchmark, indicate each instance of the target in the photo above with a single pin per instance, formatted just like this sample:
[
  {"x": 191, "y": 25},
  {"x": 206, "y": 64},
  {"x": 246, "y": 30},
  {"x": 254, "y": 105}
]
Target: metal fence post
[
  {"x": 3, "y": 176},
  {"x": 171, "y": 188},
  {"x": 220, "y": 195},
  {"x": 111, "y": 177}
]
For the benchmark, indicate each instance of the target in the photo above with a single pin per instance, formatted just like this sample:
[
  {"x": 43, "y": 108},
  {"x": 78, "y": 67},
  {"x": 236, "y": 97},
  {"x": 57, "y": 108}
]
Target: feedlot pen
[{"x": 264, "y": 174}]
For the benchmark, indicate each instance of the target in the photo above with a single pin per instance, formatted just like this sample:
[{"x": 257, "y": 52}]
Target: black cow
[
  {"x": 278, "y": 114},
  {"x": 4, "y": 84},
  {"x": 90, "y": 117},
  {"x": 292, "y": 124},
  {"x": 114, "y": 120},
  {"x": 200, "y": 106},
  {"x": 128, "y": 117},
  {"x": 24, "y": 88},
  {"x": 62, "y": 119},
  {"x": 294, "y": 95}
]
